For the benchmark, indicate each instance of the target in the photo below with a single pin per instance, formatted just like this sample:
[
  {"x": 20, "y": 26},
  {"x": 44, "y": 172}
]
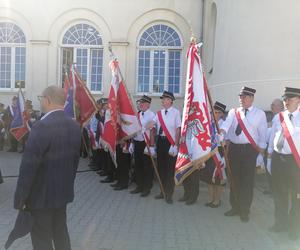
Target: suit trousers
[
  {"x": 50, "y": 229},
  {"x": 166, "y": 165},
  {"x": 285, "y": 184},
  {"x": 143, "y": 167},
  {"x": 242, "y": 160},
  {"x": 122, "y": 171}
]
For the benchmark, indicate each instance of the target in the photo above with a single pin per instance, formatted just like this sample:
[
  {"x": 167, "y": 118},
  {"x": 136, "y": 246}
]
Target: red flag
[
  {"x": 197, "y": 140},
  {"x": 85, "y": 103},
  {"x": 109, "y": 137}
]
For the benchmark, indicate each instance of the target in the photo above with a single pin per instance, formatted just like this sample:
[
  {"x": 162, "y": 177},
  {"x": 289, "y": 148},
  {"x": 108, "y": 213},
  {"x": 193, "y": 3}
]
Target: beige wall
[
  {"x": 120, "y": 22},
  {"x": 257, "y": 43}
]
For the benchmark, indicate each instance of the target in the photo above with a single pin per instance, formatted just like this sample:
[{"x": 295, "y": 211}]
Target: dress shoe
[
  {"x": 102, "y": 173},
  {"x": 136, "y": 191},
  {"x": 231, "y": 212},
  {"x": 244, "y": 218},
  {"x": 92, "y": 163},
  {"x": 190, "y": 202},
  {"x": 118, "y": 188},
  {"x": 159, "y": 196},
  {"x": 277, "y": 228},
  {"x": 115, "y": 185},
  {"x": 169, "y": 200},
  {"x": 182, "y": 199},
  {"x": 207, "y": 204},
  {"x": 145, "y": 193},
  {"x": 107, "y": 180},
  {"x": 212, "y": 205}
]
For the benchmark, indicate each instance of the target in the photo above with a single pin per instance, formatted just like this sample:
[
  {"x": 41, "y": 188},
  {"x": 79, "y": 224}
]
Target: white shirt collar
[{"x": 50, "y": 112}]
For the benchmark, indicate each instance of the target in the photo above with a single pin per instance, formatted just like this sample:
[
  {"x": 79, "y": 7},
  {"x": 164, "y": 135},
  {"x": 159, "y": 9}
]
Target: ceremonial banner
[
  {"x": 19, "y": 126},
  {"x": 197, "y": 143},
  {"x": 79, "y": 101}
]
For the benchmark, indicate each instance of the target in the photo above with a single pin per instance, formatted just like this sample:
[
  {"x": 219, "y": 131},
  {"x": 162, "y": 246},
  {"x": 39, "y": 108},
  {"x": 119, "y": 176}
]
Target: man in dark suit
[{"x": 47, "y": 172}]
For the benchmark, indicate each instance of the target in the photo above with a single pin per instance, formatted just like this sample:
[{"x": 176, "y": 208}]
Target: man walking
[{"x": 47, "y": 172}]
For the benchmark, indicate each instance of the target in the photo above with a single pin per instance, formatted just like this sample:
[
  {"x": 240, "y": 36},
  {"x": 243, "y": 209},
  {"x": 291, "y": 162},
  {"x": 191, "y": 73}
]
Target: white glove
[
  {"x": 131, "y": 148},
  {"x": 152, "y": 151},
  {"x": 220, "y": 137},
  {"x": 260, "y": 161},
  {"x": 173, "y": 151},
  {"x": 2, "y": 130},
  {"x": 269, "y": 166}
]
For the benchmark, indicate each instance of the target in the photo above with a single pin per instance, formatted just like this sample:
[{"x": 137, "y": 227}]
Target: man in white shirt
[
  {"x": 284, "y": 148},
  {"x": 168, "y": 123},
  {"x": 142, "y": 162},
  {"x": 245, "y": 127}
]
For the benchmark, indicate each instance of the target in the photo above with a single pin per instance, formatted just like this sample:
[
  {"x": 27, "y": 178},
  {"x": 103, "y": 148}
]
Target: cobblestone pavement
[{"x": 103, "y": 219}]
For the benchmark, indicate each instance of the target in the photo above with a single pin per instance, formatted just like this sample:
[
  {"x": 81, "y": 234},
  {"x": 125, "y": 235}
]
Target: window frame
[
  {"x": 13, "y": 47},
  {"x": 74, "y": 48},
  {"x": 160, "y": 48}
]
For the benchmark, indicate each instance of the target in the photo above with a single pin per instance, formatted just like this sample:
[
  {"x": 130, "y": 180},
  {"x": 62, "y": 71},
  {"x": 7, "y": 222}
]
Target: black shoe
[
  {"x": 102, "y": 173},
  {"x": 169, "y": 200},
  {"x": 92, "y": 163},
  {"x": 159, "y": 196},
  {"x": 277, "y": 228},
  {"x": 136, "y": 191},
  {"x": 145, "y": 193},
  {"x": 244, "y": 218},
  {"x": 182, "y": 199},
  {"x": 293, "y": 235},
  {"x": 190, "y": 202},
  {"x": 207, "y": 204},
  {"x": 115, "y": 185},
  {"x": 118, "y": 188},
  {"x": 212, "y": 205},
  {"x": 231, "y": 212},
  {"x": 107, "y": 180}
]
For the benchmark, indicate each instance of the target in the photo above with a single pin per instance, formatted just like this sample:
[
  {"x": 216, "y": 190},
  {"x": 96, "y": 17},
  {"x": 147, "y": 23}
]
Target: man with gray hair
[{"x": 47, "y": 172}]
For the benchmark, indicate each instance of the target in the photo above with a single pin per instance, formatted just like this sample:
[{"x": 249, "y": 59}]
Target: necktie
[
  {"x": 238, "y": 129},
  {"x": 160, "y": 129},
  {"x": 142, "y": 113},
  {"x": 291, "y": 116}
]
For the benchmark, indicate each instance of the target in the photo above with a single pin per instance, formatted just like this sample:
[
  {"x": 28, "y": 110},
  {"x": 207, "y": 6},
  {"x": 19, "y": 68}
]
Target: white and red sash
[
  {"x": 219, "y": 171},
  {"x": 245, "y": 128},
  {"x": 291, "y": 135},
  {"x": 165, "y": 129}
]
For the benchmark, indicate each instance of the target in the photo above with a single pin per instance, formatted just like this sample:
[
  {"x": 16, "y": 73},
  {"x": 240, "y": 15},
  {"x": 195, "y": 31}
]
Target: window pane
[
  {"x": 81, "y": 63},
  {"x": 20, "y": 57},
  {"x": 96, "y": 72},
  {"x": 5, "y": 69},
  {"x": 143, "y": 70},
  {"x": 159, "y": 71},
  {"x": 174, "y": 71}
]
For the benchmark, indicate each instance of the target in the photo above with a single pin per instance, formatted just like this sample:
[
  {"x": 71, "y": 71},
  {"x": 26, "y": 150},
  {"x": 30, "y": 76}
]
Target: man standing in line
[
  {"x": 284, "y": 148},
  {"x": 245, "y": 127},
  {"x": 47, "y": 172}
]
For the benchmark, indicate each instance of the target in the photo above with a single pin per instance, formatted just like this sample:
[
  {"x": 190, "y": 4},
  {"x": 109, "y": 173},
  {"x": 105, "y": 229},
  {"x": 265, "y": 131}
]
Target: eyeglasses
[{"x": 40, "y": 97}]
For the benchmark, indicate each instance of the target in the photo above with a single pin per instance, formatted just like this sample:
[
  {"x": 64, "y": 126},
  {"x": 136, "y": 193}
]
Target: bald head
[
  {"x": 277, "y": 106},
  {"x": 53, "y": 98}
]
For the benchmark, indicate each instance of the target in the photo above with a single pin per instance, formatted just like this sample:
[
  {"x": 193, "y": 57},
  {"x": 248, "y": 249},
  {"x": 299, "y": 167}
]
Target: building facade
[{"x": 245, "y": 42}]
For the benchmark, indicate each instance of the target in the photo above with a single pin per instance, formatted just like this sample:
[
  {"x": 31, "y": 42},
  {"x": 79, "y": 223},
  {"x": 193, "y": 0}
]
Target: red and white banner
[
  {"x": 121, "y": 122},
  {"x": 196, "y": 144},
  {"x": 291, "y": 134}
]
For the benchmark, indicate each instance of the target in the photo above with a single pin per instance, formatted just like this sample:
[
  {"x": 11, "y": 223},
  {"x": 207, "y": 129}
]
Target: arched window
[
  {"x": 12, "y": 56},
  {"x": 82, "y": 44},
  {"x": 159, "y": 60}
]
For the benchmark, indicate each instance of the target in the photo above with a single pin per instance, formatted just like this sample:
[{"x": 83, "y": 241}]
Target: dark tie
[
  {"x": 142, "y": 113},
  {"x": 291, "y": 116},
  {"x": 160, "y": 129},
  {"x": 238, "y": 129}
]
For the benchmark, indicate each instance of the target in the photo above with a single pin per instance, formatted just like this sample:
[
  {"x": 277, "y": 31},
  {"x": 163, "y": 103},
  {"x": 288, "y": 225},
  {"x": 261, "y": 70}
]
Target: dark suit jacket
[{"x": 49, "y": 163}]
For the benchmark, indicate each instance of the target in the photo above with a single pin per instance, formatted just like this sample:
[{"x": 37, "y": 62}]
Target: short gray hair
[{"x": 55, "y": 94}]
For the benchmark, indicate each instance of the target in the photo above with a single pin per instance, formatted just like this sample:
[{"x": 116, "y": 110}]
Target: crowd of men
[{"x": 248, "y": 140}]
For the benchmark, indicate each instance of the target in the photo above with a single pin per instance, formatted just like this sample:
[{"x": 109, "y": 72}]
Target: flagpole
[{"x": 148, "y": 147}]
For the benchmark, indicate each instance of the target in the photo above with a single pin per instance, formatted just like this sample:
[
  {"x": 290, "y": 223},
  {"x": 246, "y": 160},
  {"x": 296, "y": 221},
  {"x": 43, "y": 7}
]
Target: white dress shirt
[
  {"x": 277, "y": 130},
  {"x": 145, "y": 117},
  {"x": 172, "y": 121},
  {"x": 256, "y": 119}
]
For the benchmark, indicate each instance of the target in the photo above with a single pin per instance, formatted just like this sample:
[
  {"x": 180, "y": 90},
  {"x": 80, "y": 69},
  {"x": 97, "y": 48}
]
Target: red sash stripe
[{"x": 164, "y": 128}]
